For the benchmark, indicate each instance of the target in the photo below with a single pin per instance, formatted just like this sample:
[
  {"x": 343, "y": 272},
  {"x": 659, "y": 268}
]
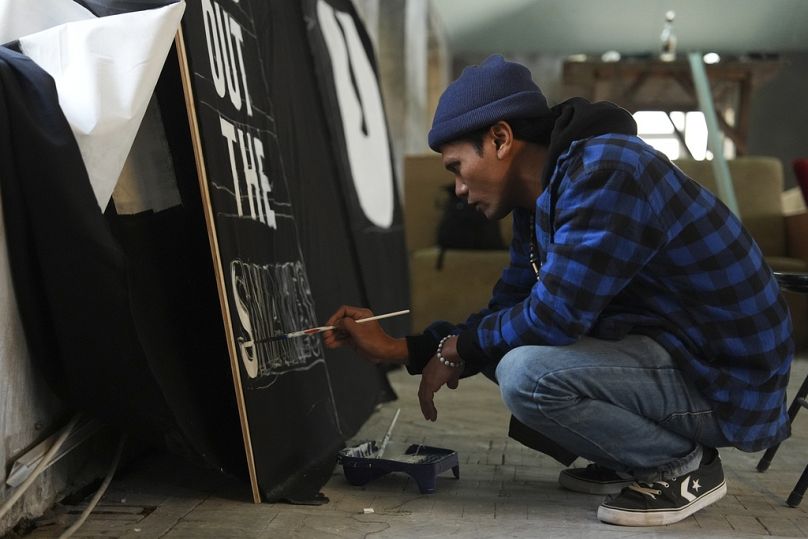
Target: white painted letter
[
  {"x": 266, "y": 187},
  {"x": 230, "y": 74},
  {"x": 235, "y": 30},
  {"x": 246, "y": 346},
  {"x": 215, "y": 51},
  {"x": 363, "y": 120},
  {"x": 229, "y": 133},
  {"x": 250, "y": 175}
]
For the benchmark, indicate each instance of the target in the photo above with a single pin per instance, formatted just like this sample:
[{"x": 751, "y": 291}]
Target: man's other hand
[{"x": 433, "y": 377}]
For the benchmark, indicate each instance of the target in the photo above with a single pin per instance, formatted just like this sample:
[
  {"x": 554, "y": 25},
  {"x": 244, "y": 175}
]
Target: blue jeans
[{"x": 622, "y": 404}]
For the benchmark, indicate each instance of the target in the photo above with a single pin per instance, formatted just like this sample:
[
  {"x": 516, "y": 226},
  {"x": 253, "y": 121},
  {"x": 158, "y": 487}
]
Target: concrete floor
[{"x": 505, "y": 489}]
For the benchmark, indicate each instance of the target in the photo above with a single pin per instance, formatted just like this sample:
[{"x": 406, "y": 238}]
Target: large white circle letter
[{"x": 363, "y": 121}]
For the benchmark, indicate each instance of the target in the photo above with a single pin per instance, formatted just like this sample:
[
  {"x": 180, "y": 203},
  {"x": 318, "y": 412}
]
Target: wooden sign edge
[{"x": 217, "y": 261}]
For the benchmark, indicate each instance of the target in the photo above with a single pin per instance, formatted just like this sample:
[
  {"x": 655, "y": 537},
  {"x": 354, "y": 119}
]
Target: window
[{"x": 678, "y": 135}]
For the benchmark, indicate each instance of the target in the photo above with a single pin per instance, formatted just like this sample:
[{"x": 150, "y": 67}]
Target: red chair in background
[{"x": 801, "y": 173}]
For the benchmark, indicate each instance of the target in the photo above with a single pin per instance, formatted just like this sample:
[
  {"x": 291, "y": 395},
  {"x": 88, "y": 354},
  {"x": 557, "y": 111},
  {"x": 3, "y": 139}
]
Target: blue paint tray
[{"x": 422, "y": 462}]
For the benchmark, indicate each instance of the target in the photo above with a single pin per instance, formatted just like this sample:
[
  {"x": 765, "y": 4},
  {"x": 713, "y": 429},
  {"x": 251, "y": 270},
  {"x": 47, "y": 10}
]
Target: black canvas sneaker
[
  {"x": 594, "y": 479},
  {"x": 668, "y": 501}
]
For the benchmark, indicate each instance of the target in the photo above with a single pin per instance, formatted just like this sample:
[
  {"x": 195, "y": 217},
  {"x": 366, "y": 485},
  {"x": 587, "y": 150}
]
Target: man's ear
[{"x": 502, "y": 136}]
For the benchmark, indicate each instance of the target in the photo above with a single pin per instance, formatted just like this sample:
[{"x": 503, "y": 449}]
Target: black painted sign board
[{"x": 294, "y": 230}]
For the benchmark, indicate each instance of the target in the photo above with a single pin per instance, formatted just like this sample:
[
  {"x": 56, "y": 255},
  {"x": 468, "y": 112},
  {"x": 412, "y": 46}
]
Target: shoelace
[{"x": 648, "y": 488}]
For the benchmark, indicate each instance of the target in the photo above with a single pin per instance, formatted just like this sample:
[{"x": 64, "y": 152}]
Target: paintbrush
[
  {"x": 387, "y": 435},
  {"x": 320, "y": 329}
]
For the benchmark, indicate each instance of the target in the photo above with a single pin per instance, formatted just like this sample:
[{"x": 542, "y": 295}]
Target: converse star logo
[
  {"x": 696, "y": 485},
  {"x": 685, "y": 493}
]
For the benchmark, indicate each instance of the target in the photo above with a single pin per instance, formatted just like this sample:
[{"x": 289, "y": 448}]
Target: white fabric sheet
[
  {"x": 105, "y": 71},
  {"x": 23, "y": 17}
]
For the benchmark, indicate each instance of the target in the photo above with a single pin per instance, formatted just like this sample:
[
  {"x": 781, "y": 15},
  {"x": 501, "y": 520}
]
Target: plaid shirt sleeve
[{"x": 603, "y": 232}]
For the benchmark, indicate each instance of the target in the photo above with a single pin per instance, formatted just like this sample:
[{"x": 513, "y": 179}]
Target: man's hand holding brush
[
  {"x": 372, "y": 343},
  {"x": 369, "y": 340}
]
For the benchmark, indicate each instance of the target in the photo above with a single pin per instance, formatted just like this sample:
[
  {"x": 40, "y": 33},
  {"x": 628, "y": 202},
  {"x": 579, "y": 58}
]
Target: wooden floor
[{"x": 505, "y": 490}]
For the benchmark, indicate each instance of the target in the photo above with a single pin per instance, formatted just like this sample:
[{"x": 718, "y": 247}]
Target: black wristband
[
  {"x": 469, "y": 350},
  {"x": 420, "y": 348}
]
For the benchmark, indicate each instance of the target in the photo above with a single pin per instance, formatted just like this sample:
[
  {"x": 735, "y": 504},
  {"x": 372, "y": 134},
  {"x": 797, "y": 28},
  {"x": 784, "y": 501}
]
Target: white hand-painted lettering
[
  {"x": 246, "y": 348},
  {"x": 214, "y": 47},
  {"x": 224, "y": 40},
  {"x": 258, "y": 187},
  {"x": 229, "y": 133},
  {"x": 273, "y": 299}
]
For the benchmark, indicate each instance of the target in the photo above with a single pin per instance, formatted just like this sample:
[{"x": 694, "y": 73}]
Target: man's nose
[{"x": 461, "y": 189}]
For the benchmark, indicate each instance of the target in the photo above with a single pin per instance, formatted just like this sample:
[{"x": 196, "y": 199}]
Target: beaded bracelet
[{"x": 452, "y": 364}]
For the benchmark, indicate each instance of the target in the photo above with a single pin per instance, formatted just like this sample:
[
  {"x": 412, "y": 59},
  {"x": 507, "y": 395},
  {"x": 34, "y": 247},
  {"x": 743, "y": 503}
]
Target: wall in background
[
  {"x": 414, "y": 65},
  {"x": 779, "y": 119}
]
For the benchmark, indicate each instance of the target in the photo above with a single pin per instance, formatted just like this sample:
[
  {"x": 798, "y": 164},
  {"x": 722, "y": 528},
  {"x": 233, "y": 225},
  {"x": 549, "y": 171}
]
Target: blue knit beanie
[{"x": 483, "y": 95}]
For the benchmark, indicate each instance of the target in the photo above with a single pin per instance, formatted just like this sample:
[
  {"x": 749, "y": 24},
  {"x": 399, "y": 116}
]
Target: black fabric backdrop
[
  {"x": 379, "y": 252},
  {"x": 84, "y": 316},
  {"x": 122, "y": 314}
]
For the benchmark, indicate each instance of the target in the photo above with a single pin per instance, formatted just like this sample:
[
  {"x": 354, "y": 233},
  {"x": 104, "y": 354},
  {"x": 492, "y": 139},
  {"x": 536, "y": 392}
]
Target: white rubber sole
[{"x": 624, "y": 517}]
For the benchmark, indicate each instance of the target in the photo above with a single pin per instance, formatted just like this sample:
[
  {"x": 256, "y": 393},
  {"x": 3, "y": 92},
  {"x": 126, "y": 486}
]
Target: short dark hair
[{"x": 535, "y": 130}]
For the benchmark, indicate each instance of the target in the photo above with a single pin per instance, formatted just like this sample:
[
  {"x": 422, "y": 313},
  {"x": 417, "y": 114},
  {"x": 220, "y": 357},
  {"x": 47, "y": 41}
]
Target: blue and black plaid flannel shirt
[{"x": 629, "y": 244}]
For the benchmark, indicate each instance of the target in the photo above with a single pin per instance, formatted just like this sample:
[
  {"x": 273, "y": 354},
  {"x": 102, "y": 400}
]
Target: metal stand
[
  {"x": 715, "y": 138},
  {"x": 796, "y": 282}
]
